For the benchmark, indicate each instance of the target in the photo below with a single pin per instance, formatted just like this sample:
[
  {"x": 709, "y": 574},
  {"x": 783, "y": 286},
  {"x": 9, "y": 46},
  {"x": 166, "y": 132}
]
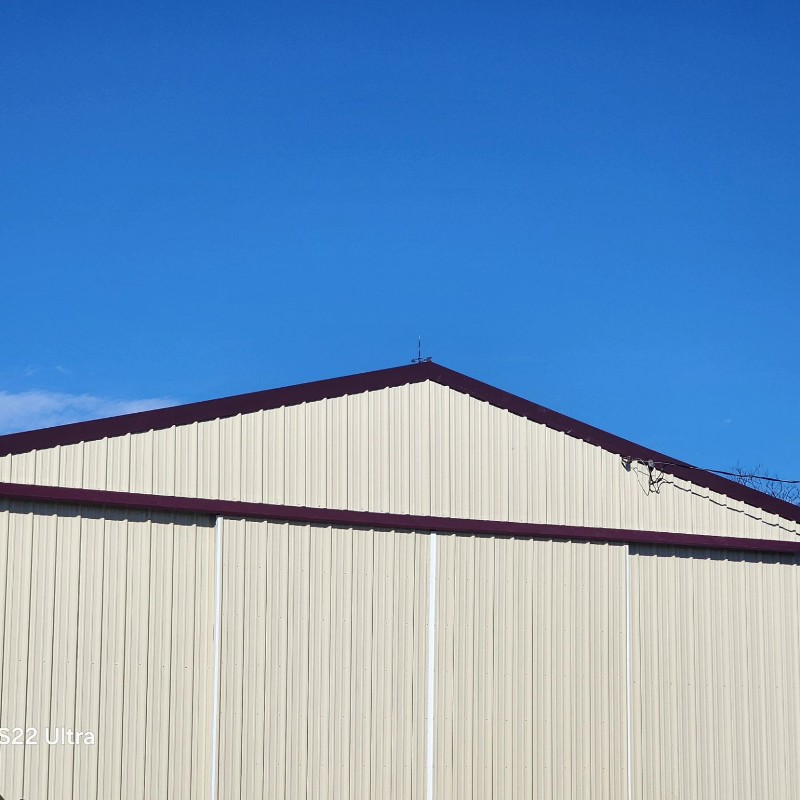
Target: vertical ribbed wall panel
[
  {"x": 323, "y": 662},
  {"x": 93, "y": 464},
  {"x": 112, "y": 657},
  {"x": 164, "y": 450},
  {"x": 189, "y": 629},
  {"x": 418, "y": 449},
  {"x": 118, "y": 462},
  {"x": 715, "y": 665},
  {"x": 295, "y": 455},
  {"x": 65, "y": 650},
  {"x": 40, "y": 645},
  {"x": 336, "y": 433},
  {"x": 89, "y": 585},
  {"x": 23, "y": 466},
  {"x": 357, "y": 442},
  {"x": 143, "y": 467},
  {"x": 135, "y": 678},
  {"x": 106, "y": 622},
  {"x": 19, "y": 536},
  {"x": 208, "y": 458},
  {"x": 530, "y": 669},
  {"x": 231, "y": 446},
  {"x": 252, "y": 468},
  {"x": 186, "y": 461},
  {"x": 160, "y": 611}
]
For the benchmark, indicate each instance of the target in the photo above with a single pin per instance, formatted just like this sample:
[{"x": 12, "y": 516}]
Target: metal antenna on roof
[{"x": 419, "y": 359}]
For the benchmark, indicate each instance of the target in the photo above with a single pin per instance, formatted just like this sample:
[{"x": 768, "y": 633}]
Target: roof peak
[{"x": 251, "y": 402}]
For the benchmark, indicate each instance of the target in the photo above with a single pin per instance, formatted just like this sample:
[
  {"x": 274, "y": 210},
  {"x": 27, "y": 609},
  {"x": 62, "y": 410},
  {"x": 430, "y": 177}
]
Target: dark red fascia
[
  {"x": 382, "y": 379},
  {"x": 372, "y": 520}
]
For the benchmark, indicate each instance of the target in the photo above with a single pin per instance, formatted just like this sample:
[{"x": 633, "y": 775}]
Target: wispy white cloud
[{"x": 24, "y": 411}]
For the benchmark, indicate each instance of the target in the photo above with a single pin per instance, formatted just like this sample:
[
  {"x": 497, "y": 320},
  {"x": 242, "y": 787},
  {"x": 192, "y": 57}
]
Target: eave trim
[{"x": 370, "y": 519}]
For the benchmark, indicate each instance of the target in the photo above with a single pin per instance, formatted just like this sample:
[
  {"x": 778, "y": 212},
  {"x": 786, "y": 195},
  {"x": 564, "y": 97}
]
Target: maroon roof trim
[
  {"x": 210, "y": 409},
  {"x": 369, "y": 519},
  {"x": 614, "y": 444},
  {"x": 371, "y": 381}
]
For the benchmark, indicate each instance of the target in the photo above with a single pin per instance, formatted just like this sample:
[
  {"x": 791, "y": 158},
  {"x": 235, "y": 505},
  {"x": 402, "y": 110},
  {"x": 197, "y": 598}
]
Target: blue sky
[{"x": 593, "y": 206}]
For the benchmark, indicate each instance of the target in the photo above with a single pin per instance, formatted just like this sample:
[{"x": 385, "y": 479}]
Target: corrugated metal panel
[
  {"x": 65, "y": 649},
  {"x": 715, "y": 665},
  {"x": 419, "y": 449},
  {"x": 106, "y": 622},
  {"x": 106, "y": 626},
  {"x": 16, "y": 629},
  {"x": 135, "y": 678},
  {"x": 323, "y": 662},
  {"x": 530, "y": 669}
]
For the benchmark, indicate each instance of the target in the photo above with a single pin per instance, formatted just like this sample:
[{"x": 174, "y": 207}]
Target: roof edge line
[
  {"x": 205, "y": 410},
  {"x": 159, "y": 419},
  {"x": 612, "y": 443},
  {"x": 370, "y": 519}
]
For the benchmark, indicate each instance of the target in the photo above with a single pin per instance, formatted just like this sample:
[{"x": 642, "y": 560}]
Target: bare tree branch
[{"x": 758, "y": 478}]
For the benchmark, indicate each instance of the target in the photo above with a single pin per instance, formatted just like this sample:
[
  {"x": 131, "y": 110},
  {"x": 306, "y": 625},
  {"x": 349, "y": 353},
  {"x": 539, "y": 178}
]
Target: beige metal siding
[
  {"x": 715, "y": 666},
  {"x": 323, "y": 662},
  {"x": 530, "y": 669},
  {"x": 419, "y": 449},
  {"x": 106, "y": 623}
]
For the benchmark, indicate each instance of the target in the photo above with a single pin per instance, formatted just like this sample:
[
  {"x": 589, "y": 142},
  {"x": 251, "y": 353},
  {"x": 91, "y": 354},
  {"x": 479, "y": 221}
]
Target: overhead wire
[{"x": 651, "y": 463}]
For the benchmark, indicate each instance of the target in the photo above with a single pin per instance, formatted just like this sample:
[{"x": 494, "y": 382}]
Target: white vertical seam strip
[
  {"x": 431, "y": 662},
  {"x": 629, "y": 713},
  {"x": 217, "y": 656}
]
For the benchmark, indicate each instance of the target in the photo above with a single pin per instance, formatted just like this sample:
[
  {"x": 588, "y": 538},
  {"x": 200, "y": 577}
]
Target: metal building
[{"x": 401, "y": 584}]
